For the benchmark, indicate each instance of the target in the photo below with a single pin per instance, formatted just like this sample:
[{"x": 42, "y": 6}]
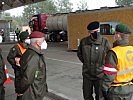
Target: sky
[{"x": 92, "y": 4}]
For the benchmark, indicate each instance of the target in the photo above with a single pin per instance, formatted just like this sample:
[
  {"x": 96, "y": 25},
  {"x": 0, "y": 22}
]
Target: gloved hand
[{"x": 105, "y": 95}]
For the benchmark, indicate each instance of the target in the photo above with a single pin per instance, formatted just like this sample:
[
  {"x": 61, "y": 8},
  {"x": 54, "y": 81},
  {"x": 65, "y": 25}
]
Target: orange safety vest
[
  {"x": 124, "y": 66},
  {"x": 22, "y": 49}
]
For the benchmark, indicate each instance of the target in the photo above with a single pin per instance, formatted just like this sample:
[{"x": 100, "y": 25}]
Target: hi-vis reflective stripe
[
  {"x": 21, "y": 48},
  {"x": 17, "y": 59},
  {"x": 124, "y": 72}
]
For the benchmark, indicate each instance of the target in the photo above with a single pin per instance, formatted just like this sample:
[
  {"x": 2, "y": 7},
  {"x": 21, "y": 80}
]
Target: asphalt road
[{"x": 63, "y": 71}]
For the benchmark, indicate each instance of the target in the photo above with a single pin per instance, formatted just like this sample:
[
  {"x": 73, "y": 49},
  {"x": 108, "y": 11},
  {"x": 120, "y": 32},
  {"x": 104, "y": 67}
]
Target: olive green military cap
[{"x": 122, "y": 28}]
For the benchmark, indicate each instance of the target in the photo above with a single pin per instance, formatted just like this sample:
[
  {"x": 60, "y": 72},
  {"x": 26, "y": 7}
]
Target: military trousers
[
  {"x": 91, "y": 89},
  {"x": 120, "y": 97},
  {"x": 2, "y": 93}
]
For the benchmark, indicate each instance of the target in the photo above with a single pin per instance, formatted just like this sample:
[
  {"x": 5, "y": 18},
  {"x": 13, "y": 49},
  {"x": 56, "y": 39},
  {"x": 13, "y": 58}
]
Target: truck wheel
[
  {"x": 64, "y": 37},
  {"x": 58, "y": 37},
  {"x": 53, "y": 37},
  {"x": 47, "y": 37}
]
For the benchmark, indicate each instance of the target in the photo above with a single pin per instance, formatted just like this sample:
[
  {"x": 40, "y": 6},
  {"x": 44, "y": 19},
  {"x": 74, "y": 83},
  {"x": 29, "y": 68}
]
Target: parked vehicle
[
  {"x": 55, "y": 26},
  {"x": 71, "y": 27}
]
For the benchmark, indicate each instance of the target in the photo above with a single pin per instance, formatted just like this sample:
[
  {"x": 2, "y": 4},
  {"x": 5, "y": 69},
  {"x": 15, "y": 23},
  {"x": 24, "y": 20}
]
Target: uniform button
[{"x": 92, "y": 63}]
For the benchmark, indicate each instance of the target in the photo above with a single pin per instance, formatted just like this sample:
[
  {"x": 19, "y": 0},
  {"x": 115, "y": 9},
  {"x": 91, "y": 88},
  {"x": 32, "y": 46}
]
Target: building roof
[{"x": 10, "y": 4}]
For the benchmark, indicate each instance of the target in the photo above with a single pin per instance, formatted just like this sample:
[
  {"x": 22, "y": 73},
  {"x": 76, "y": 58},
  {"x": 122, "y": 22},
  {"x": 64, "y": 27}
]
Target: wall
[{"x": 77, "y": 22}]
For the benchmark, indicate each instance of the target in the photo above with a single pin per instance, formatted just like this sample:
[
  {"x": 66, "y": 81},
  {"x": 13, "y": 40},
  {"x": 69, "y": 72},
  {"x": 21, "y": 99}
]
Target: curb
[{"x": 51, "y": 93}]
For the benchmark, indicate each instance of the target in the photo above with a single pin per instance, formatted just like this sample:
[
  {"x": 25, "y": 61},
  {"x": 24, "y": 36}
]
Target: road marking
[{"x": 64, "y": 61}]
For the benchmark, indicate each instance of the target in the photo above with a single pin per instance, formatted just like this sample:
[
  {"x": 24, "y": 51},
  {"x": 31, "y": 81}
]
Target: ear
[
  {"x": 38, "y": 43},
  {"x": 118, "y": 35}
]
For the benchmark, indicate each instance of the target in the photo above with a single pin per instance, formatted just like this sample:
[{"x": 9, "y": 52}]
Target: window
[{"x": 107, "y": 28}]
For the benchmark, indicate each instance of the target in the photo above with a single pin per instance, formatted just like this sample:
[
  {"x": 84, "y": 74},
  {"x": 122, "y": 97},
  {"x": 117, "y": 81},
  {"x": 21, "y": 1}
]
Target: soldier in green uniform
[
  {"x": 118, "y": 67},
  {"x": 2, "y": 77},
  {"x": 33, "y": 85},
  {"x": 91, "y": 53},
  {"x": 15, "y": 54}
]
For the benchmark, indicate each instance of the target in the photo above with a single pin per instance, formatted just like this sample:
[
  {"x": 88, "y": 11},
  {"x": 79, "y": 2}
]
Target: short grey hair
[{"x": 33, "y": 40}]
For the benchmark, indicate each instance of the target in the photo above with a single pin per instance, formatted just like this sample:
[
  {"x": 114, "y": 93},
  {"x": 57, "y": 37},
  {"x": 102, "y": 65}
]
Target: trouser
[
  {"x": 17, "y": 36},
  {"x": 88, "y": 86},
  {"x": 2, "y": 93},
  {"x": 120, "y": 97},
  {"x": 19, "y": 97}
]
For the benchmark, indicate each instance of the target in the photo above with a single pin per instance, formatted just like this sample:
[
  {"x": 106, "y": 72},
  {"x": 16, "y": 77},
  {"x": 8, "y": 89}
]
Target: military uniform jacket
[
  {"x": 91, "y": 53},
  {"x": 33, "y": 84},
  {"x": 2, "y": 71},
  {"x": 2, "y": 76},
  {"x": 111, "y": 61},
  {"x": 13, "y": 53}
]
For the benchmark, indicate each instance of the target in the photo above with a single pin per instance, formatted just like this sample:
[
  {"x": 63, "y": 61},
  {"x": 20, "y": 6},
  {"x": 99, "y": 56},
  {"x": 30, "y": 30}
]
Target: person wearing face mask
[
  {"x": 91, "y": 52},
  {"x": 15, "y": 54},
  {"x": 118, "y": 67},
  {"x": 33, "y": 85}
]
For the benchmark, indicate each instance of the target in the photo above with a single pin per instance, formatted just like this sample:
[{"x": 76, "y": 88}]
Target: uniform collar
[
  {"x": 35, "y": 49},
  {"x": 23, "y": 44},
  {"x": 124, "y": 42},
  {"x": 98, "y": 40}
]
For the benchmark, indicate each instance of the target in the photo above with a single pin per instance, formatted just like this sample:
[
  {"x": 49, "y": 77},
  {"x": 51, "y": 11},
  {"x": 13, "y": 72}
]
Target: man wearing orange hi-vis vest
[
  {"x": 15, "y": 54},
  {"x": 118, "y": 68}
]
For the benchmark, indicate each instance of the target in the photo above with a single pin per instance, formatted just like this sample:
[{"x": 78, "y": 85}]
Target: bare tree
[{"x": 82, "y": 5}]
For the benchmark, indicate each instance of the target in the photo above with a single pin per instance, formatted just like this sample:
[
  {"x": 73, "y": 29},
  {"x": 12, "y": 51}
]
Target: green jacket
[
  {"x": 15, "y": 52},
  {"x": 91, "y": 53},
  {"x": 111, "y": 59},
  {"x": 33, "y": 84},
  {"x": 2, "y": 77},
  {"x": 2, "y": 71}
]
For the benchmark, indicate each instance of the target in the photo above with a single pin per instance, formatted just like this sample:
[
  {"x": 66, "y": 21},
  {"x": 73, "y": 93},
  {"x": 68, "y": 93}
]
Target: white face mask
[
  {"x": 27, "y": 41},
  {"x": 0, "y": 39},
  {"x": 44, "y": 45}
]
